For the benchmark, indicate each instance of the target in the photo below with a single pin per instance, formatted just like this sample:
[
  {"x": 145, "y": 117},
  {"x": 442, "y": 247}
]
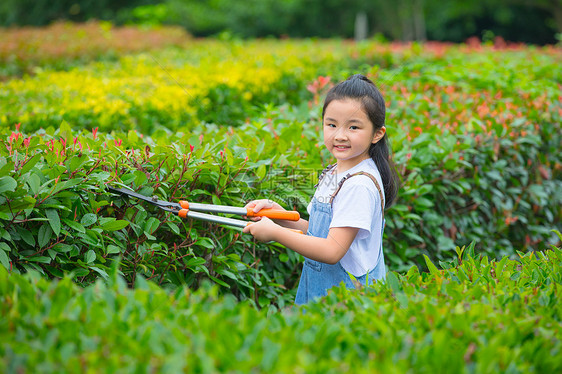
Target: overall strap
[
  {"x": 360, "y": 173},
  {"x": 326, "y": 170}
]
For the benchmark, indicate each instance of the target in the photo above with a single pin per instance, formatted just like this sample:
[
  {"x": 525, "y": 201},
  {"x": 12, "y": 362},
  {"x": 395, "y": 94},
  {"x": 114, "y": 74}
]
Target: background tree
[{"x": 529, "y": 21}]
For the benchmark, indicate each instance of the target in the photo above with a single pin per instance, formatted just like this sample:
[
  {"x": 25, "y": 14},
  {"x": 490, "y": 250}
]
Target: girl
[{"x": 344, "y": 234}]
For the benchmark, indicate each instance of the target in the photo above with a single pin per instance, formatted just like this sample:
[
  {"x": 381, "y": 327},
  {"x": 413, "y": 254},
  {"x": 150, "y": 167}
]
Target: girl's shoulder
[
  {"x": 360, "y": 181},
  {"x": 365, "y": 172},
  {"x": 365, "y": 178}
]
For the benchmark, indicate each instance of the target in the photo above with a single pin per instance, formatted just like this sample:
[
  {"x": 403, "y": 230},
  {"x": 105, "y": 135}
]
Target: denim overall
[{"x": 318, "y": 277}]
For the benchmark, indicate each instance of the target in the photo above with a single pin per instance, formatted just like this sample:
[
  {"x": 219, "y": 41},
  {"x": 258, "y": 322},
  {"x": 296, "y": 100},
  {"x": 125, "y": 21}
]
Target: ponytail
[{"x": 379, "y": 152}]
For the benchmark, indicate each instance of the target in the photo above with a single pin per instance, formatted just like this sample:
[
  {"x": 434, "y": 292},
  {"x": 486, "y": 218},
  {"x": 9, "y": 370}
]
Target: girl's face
[{"x": 348, "y": 132}]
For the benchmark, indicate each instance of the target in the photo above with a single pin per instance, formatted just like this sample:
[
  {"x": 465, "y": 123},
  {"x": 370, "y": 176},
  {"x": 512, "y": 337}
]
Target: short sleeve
[{"x": 356, "y": 205}]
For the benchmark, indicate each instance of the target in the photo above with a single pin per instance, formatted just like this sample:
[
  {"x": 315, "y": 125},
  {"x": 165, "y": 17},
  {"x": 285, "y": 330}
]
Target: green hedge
[
  {"x": 476, "y": 315},
  {"x": 475, "y": 134},
  {"x": 57, "y": 217},
  {"x": 478, "y": 150}
]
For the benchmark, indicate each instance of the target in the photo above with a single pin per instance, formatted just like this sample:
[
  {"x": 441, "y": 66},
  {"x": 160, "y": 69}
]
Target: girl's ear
[{"x": 378, "y": 134}]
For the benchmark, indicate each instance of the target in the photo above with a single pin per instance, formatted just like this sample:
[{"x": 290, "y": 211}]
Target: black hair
[{"x": 361, "y": 88}]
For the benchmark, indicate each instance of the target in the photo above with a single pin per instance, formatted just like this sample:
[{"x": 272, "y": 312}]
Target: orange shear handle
[{"x": 275, "y": 214}]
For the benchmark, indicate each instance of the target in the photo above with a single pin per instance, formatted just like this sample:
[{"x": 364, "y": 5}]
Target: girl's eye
[
  {"x": 330, "y": 125},
  {"x": 353, "y": 127}
]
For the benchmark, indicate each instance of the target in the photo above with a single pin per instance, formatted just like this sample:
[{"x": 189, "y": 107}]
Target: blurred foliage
[
  {"x": 62, "y": 45},
  {"x": 43, "y": 12},
  {"x": 472, "y": 315},
  {"x": 171, "y": 88},
  {"x": 515, "y": 20}
]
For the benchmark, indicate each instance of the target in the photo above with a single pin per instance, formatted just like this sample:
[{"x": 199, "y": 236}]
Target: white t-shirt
[{"x": 357, "y": 204}]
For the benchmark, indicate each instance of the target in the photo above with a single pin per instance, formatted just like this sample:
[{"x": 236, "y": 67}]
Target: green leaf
[
  {"x": 34, "y": 183},
  {"x": 80, "y": 272},
  {"x": 65, "y": 131},
  {"x": 100, "y": 272},
  {"x": 103, "y": 220},
  {"x": 4, "y": 259},
  {"x": 426, "y": 188},
  {"x": 114, "y": 225},
  {"x": 30, "y": 164},
  {"x": 41, "y": 259},
  {"x": 90, "y": 256},
  {"x": 432, "y": 268},
  {"x": 461, "y": 274},
  {"x": 460, "y": 252},
  {"x": 112, "y": 249},
  {"x": 44, "y": 235},
  {"x": 219, "y": 281},
  {"x": 75, "y": 163},
  {"x": 52, "y": 253},
  {"x": 63, "y": 248},
  {"x": 402, "y": 299},
  {"x": 88, "y": 219},
  {"x": 87, "y": 239},
  {"x": 393, "y": 282},
  {"x": 5, "y": 235},
  {"x": 8, "y": 184},
  {"x": 27, "y": 236},
  {"x": 413, "y": 272},
  {"x": 54, "y": 271},
  {"x": 5, "y": 247},
  {"x": 205, "y": 242},
  {"x": 74, "y": 225},
  {"x": 260, "y": 172},
  {"x": 426, "y": 203},
  {"x": 414, "y": 236},
  {"x": 151, "y": 225},
  {"x": 54, "y": 220},
  {"x": 140, "y": 178},
  {"x": 174, "y": 227},
  {"x": 227, "y": 273},
  {"x": 195, "y": 261}
]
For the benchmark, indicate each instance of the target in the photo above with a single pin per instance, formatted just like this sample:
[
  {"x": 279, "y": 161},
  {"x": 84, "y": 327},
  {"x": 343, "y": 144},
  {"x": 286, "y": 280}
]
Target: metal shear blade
[{"x": 165, "y": 205}]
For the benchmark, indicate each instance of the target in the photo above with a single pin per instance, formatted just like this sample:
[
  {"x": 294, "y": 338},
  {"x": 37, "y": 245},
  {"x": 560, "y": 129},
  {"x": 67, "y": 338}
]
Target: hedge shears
[{"x": 186, "y": 209}]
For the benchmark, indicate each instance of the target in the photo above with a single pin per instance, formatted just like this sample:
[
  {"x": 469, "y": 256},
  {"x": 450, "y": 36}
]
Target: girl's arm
[
  {"x": 329, "y": 250},
  {"x": 258, "y": 205},
  {"x": 301, "y": 224}
]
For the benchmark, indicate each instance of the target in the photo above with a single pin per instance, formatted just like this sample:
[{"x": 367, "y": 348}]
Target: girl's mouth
[{"x": 341, "y": 147}]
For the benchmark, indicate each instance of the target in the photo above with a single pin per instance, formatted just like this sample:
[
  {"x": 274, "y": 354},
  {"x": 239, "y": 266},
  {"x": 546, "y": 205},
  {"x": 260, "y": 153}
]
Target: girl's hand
[
  {"x": 264, "y": 230},
  {"x": 258, "y": 205}
]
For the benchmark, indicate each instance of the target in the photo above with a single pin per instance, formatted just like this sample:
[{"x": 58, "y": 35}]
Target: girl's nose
[{"x": 340, "y": 134}]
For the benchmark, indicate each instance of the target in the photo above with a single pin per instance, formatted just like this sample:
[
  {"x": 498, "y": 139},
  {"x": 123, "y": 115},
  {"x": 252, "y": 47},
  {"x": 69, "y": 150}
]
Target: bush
[
  {"x": 476, "y": 149},
  {"x": 57, "y": 216},
  {"x": 476, "y": 315}
]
